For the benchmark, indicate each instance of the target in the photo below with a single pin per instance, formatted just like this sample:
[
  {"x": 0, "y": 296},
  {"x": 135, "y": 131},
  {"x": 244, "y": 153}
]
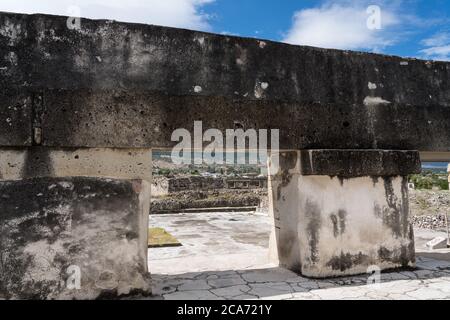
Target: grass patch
[
  {"x": 423, "y": 204},
  {"x": 159, "y": 238}
]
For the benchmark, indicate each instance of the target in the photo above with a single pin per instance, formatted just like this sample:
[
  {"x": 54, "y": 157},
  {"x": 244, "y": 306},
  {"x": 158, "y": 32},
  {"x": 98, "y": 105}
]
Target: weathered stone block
[
  {"x": 284, "y": 245},
  {"x": 112, "y": 84},
  {"x": 37, "y": 161},
  {"x": 348, "y": 225},
  {"x": 437, "y": 243},
  {"x": 53, "y": 228},
  {"x": 335, "y": 225}
]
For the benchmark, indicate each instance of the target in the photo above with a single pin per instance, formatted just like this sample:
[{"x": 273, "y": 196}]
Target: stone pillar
[
  {"x": 448, "y": 171},
  {"x": 338, "y": 212},
  {"x": 284, "y": 246},
  {"x": 64, "y": 211}
]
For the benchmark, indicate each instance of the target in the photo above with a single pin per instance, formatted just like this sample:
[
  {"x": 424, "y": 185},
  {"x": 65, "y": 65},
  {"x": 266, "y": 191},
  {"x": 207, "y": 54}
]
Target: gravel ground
[
  {"x": 435, "y": 222},
  {"x": 428, "y": 208}
]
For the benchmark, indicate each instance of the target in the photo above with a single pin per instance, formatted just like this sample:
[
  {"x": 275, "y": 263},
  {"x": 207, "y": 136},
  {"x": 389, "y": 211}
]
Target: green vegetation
[
  {"x": 161, "y": 172},
  {"x": 194, "y": 172},
  {"x": 158, "y": 237},
  {"x": 238, "y": 170},
  {"x": 429, "y": 180}
]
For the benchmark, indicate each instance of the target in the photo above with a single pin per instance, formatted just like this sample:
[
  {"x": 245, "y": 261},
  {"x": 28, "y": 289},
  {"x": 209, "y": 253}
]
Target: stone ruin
[
  {"x": 162, "y": 186},
  {"x": 191, "y": 193},
  {"x": 81, "y": 110}
]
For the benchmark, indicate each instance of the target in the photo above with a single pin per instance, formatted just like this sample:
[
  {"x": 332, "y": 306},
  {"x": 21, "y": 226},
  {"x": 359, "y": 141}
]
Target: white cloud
[
  {"x": 173, "y": 13},
  {"x": 439, "y": 39},
  {"x": 343, "y": 25},
  {"x": 438, "y": 47},
  {"x": 229, "y": 33}
]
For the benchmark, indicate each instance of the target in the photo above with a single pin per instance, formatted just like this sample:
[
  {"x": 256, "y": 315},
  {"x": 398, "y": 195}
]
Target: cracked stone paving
[{"x": 225, "y": 257}]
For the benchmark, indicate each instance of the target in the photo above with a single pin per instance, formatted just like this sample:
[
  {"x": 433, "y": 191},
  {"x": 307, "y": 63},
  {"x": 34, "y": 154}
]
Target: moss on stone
[{"x": 158, "y": 237}]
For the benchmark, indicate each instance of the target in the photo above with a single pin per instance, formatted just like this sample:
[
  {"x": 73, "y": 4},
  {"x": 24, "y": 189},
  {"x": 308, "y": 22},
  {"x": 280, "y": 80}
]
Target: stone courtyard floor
[{"x": 225, "y": 256}]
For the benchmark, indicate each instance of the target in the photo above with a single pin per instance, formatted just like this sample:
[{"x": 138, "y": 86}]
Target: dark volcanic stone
[
  {"x": 357, "y": 163},
  {"x": 114, "y": 84}
]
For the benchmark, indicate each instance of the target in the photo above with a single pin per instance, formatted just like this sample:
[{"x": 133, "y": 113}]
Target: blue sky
[{"x": 414, "y": 28}]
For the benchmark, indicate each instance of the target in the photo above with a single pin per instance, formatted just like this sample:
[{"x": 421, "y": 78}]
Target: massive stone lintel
[
  {"x": 53, "y": 228},
  {"x": 331, "y": 225},
  {"x": 112, "y": 84}
]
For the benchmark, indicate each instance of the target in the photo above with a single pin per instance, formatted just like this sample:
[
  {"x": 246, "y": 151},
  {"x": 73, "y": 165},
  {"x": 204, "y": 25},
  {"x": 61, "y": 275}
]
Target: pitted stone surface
[
  {"x": 38, "y": 161},
  {"x": 50, "y": 227},
  {"x": 15, "y": 117},
  {"x": 359, "y": 163},
  {"x": 112, "y": 84},
  {"x": 334, "y": 221},
  {"x": 118, "y": 85}
]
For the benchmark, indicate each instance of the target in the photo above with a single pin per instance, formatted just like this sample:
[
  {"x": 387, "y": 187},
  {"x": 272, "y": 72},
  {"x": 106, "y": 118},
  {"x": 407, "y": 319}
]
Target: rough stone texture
[
  {"x": 429, "y": 207},
  {"x": 348, "y": 226},
  {"x": 37, "y": 161},
  {"x": 432, "y": 221},
  {"x": 117, "y": 85},
  {"x": 358, "y": 163},
  {"x": 284, "y": 245},
  {"x": 15, "y": 116},
  {"x": 113, "y": 84},
  {"x": 328, "y": 226},
  {"x": 195, "y": 183},
  {"x": 49, "y": 224},
  {"x": 213, "y": 200},
  {"x": 162, "y": 185}
]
